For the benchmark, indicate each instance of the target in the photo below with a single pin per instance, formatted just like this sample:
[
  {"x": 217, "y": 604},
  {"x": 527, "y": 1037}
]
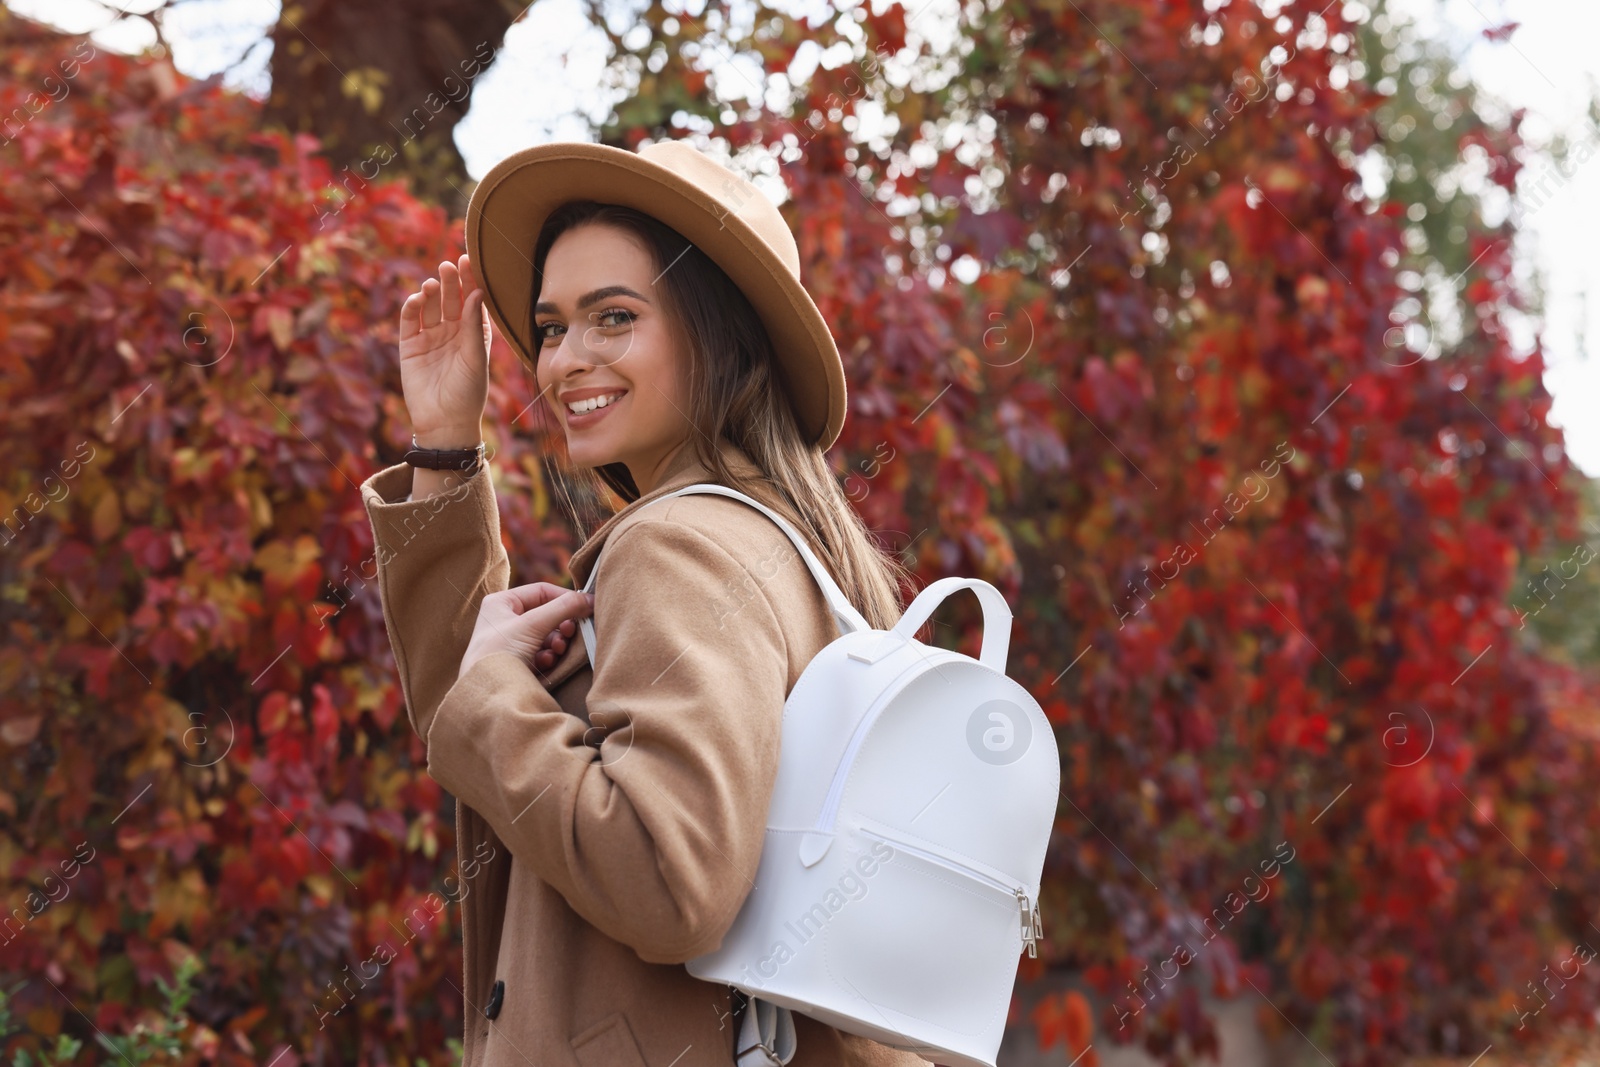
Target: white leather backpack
[{"x": 906, "y": 838}]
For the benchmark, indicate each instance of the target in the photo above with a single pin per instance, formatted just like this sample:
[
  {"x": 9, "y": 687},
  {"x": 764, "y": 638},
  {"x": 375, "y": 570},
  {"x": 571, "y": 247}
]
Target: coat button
[{"x": 491, "y": 1009}]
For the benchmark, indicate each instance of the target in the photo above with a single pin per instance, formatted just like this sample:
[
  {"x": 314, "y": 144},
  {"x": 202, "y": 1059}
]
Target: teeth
[{"x": 579, "y": 407}]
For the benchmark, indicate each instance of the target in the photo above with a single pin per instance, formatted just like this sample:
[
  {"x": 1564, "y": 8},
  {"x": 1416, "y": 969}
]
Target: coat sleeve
[
  {"x": 650, "y": 821},
  {"x": 437, "y": 558}
]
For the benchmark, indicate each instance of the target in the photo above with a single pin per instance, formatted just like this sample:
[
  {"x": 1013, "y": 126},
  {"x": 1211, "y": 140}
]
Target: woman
[{"x": 609, "y": 821}]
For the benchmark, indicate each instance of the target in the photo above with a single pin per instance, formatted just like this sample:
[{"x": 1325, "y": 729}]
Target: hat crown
[{"x": 737, "y": 195}]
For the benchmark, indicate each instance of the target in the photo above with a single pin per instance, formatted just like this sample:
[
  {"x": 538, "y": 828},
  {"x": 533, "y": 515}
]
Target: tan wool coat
[{"x": 609, "y": 822}]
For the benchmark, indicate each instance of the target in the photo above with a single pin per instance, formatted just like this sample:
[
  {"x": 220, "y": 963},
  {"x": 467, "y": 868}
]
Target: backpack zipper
[{"x": 1029, "y": 911}]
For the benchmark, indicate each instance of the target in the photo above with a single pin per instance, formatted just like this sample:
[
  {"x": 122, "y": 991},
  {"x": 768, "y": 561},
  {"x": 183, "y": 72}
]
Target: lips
[
  {"x": 611, "y": 397},
  {"x": 580, "y": 419}
]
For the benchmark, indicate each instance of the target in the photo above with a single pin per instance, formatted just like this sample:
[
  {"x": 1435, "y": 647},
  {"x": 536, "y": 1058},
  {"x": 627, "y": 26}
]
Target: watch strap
[{"x": 466, "y": 460}]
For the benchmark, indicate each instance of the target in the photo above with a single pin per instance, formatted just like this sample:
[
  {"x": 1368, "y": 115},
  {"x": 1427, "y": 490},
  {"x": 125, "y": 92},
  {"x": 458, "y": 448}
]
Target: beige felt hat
[{"x": 716, "y": 210}]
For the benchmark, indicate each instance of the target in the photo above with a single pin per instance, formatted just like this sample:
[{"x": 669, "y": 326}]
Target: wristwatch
[{"x": 465, "y": 460}]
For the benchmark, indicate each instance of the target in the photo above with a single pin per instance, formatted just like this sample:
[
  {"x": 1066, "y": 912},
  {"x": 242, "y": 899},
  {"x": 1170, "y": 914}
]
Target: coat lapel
[{"x": 685, "y": 469}]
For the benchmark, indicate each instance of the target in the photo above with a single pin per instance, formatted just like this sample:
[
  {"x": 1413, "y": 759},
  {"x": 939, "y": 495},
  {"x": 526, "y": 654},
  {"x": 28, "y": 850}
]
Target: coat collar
[{"x": 683, "y": 469}]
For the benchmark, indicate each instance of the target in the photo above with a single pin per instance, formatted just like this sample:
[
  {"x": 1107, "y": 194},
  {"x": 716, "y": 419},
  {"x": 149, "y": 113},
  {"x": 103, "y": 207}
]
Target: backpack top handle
[{"x": 996, "y": 616}]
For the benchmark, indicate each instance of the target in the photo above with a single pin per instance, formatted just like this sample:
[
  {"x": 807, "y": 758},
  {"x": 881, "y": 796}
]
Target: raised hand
[{"x": 444, "y": 358}]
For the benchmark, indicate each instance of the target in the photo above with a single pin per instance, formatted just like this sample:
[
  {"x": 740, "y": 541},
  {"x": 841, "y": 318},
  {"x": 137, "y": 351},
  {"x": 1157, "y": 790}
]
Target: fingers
[
  {"x": 540, "y": 626},
  {"x": 547, "y": 617},
  {"x": 450, "y": 291},
  {"x": 411, "y": 316},
  {"x": 524, "y": 598},
  {"x": 430, "y": 303},
  {"x": 546, "y": 658},
  {"x": 440, "y": 300},
  {"x": 538, "y": 618},
  {"x": 555, "y": 644},
  {"x": 472, "y": 307},
  {"x": 441, "y": 297}
]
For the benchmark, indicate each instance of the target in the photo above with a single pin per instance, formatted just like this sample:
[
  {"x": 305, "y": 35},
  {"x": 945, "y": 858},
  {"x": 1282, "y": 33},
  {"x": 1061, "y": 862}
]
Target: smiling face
[{"x": 604, "y": 335}]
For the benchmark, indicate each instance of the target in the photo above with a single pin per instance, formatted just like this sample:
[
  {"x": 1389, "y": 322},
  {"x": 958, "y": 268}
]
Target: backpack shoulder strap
[{"x": 845, "y": 614}]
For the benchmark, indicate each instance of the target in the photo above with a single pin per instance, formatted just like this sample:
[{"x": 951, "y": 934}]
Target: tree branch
[{"x": 150, "y": 16}]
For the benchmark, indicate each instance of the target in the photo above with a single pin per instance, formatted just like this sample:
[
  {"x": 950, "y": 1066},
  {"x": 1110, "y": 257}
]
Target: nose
[
  {"x": 582, "y": 348},
  {"x": 560, "y": 363},
  {"x": 564, "y": 366}
]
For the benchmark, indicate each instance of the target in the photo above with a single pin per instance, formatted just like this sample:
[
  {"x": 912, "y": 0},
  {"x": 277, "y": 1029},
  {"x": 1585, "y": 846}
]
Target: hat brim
[{"x": 509, "y": 207}]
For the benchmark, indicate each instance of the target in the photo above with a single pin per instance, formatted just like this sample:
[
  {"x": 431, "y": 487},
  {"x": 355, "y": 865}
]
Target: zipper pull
[{"x": 1030, "y": 922}]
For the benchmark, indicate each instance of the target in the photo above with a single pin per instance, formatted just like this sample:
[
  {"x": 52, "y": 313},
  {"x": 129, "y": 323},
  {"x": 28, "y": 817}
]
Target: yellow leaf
[
  {"x": 168, "y": 912},
  {"x": 280, "y": 324},
  {"x": 284, "y": 564},
  {"x": 316, "y": 257},
  {"x": 107, "y": 518},
  {"x": 303, "y": 369},
  {"x": 1282, "y": 178},
  {"x": 321, "y": 887},
  {"x": 260, "y": 509},
  {"x": 136, "y": 501},
  {"x": 185, "y": 463},
  {"x": 46, "y": 1022},
  {"x": 1253, "y": 386},
  {"x": 366, "y": 83},
  {"x": 967, "y": 366}
]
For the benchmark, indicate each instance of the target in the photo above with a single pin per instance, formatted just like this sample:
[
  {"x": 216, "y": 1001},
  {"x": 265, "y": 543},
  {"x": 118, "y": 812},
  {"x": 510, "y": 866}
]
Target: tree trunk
[{"x": 383, "y": 83}]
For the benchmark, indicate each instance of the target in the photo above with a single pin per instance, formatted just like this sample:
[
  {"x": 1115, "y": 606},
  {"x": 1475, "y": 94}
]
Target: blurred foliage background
[{"x": 1109, "y": 279}]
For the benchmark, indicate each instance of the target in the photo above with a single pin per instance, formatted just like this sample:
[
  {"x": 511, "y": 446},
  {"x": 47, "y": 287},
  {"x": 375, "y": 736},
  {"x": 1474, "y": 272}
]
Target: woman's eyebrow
[{"x": 544, "y": 307}]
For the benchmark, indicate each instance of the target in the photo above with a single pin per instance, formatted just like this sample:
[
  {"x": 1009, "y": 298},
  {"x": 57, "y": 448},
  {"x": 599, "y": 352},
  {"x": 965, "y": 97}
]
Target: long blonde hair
[{"x": 735, "y": 393}]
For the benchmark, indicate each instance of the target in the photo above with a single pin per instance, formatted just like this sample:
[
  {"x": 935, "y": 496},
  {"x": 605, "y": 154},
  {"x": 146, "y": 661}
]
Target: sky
[{"x": 1549, "y": 67}]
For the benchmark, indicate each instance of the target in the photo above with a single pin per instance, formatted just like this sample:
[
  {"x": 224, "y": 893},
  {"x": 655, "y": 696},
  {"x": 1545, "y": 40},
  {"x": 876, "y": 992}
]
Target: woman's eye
[{"x": 609, "y": 319}]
